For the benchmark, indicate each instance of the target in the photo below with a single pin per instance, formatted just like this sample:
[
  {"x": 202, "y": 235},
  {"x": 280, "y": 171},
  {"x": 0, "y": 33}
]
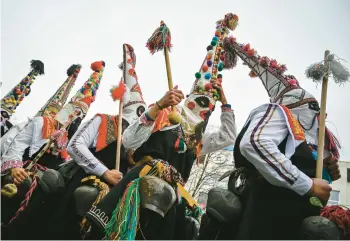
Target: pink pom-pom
[{"x": 293, "y": 82}]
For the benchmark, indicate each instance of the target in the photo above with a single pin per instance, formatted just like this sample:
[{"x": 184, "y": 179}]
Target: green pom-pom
[
  {"x": 220, "y": 68},
  {"x": 221, "y": 65},
  {"x": 213, "y": 43},
  {"x": 198, "y": 75}
]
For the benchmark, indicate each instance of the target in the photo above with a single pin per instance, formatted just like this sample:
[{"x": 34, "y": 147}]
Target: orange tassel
[{"x": 118, "y": 92}]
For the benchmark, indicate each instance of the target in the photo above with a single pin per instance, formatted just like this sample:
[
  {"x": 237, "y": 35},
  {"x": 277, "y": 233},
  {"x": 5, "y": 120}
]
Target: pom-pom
[
  {"x": 222, "y": 57},
  {"x": 264, "y": 62},
  {"x": 208, "y": 86},
  {"x": 204, "y": 68},
  {"x": 209, "y": 48},
  {"x": 160, "y": 39},
  {"x": 37, "y": 66},
  {"x": 209, "y": 63},
  {"x": 251, "y": 52},
  {"x": 281, "y": 69},
  {"x": 246, "y": 47},
  {"x": 174, "y": 118},
  {"x": 217, "y": 34},
  {"x": 215, "y": 39},
  {"x": 273, "y": 64},
  {"x": 219, "y": 76},
  {"x": 97, "y": 66},
  {"x": 213, "y": 43},
  {"x": 315, "y": 72},
  {"x": 73, "y": 69},
  {"x": 221, "y": 65},
  {"x": 207, "y": 76},
  {"x": 198, "y": 75},
  {"x": 294, "y": 83}
]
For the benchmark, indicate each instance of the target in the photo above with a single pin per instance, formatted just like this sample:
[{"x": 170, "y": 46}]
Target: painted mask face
[
  {"x": 135, "y": 105},
  {"x": 72, "y": 110},
  {"x": 195, "y": 114},
  {"x": 4, "y": 116}
]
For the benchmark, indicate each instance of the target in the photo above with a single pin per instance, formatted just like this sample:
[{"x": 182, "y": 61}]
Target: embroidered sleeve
[
  {"x": 226, "y": 136},
  {"x": 267, "y": 129},
  {"x": 78, "y": 148},
  {"x": 14, "y": 153},
  {"x": 138, "y": 132}
]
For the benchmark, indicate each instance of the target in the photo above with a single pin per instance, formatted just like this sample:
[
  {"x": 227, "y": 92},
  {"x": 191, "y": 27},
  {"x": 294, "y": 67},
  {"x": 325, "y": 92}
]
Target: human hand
[
  {"x": 320, "y": 189},
  {"x": 218, "y": 86},
  {"x": 112, "y": 177},
  {"x": 171, "y": 97},
  {"x": 331, "y": 164},
  {"x": 19, "y": 175}
]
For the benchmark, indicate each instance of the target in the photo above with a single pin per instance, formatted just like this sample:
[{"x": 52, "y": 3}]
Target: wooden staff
[
  {"x": 161, "y": 39},
  {"x": 322, "y": 126},
  {"x": 119, "y": 139}
]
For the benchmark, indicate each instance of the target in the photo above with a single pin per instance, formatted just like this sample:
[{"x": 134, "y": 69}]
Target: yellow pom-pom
[{"x": 174, "y": 118}]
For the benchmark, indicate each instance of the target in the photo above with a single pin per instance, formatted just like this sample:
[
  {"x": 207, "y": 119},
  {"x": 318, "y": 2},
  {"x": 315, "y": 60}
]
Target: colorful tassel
[
  {"x": 125, "y": 217},
  {"x": 340, "y": 216},
  {"x": 160, "y": 39}
]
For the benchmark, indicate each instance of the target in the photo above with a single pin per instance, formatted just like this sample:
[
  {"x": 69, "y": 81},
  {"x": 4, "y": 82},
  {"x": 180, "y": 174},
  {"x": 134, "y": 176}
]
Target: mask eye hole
[
  {"x": 140, "y": 110},
  {"x": 202, "y": 101},
  {"x": 314, "y": 106}
]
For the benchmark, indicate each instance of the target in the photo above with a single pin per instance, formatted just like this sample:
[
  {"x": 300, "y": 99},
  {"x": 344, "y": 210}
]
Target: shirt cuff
[
  {"x": 226, "y": 108},
  {"x": 7, "y": 165},
  {"x": 303, "y": 184},
  {"x": 99, "y": 170}
]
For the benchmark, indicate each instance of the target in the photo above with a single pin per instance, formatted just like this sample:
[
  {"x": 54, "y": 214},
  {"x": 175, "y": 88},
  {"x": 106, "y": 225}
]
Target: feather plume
[{"x": 37, "y": 66}]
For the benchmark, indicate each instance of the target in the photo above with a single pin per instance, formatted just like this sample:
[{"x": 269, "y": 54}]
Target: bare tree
[{"x": 206, "y": 173}]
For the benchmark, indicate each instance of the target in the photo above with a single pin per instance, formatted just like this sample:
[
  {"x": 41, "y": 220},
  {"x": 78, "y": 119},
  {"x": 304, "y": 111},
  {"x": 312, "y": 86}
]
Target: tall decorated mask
[
  {"x": 79, "y": 105},
  {"x": 200, "y": 103},
  {"x": 134, "y": 105},
  {"x": 284, "y": 89},
  {"x": 57, "y": 101}
]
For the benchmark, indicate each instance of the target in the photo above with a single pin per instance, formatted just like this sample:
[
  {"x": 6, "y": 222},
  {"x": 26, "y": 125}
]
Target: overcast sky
[{"x": 61, "y": 33}]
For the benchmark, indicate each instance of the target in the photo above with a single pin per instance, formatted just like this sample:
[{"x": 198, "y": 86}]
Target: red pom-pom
[
  {"x": 222, "y": 57},
  {"x": 97, "y": 66},
  {"x": 208, "y": 86},
  {"x": 191, "y": 105},
  {"x": 205, "y": 68},
  {"x": 246, "y": 47}
]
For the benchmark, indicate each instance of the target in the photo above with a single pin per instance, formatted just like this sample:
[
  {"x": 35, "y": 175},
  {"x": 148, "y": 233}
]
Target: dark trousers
[{"x": 273, "y": 212}]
